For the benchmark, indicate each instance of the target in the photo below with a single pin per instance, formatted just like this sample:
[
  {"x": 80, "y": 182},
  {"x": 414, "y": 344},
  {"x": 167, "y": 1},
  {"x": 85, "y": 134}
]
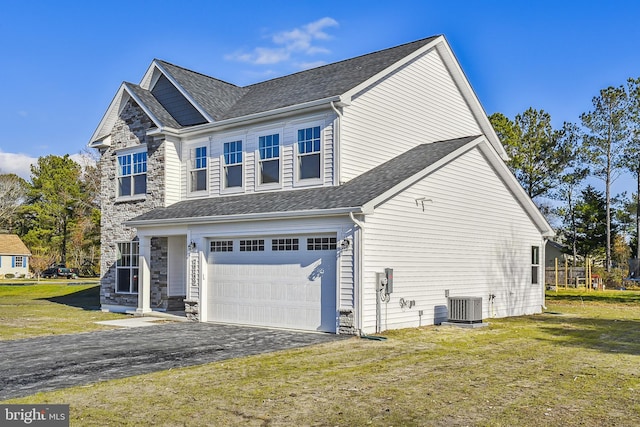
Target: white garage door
[{"x": 287, "y": 282}]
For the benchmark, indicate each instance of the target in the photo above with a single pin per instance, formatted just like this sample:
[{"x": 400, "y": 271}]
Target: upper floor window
[
  {"x": 309, "y": 153},
  {"x": 132, "y": 174},
  {"x": 269, "y": 150},
  {"x": 233, "y": 164},
  {"x": 199, "y": 169}
]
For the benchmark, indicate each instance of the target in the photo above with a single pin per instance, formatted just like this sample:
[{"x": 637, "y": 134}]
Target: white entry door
[{"x": 287, "y": 282}]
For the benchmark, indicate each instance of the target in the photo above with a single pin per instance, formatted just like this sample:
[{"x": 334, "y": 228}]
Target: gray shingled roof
[
  {"x": 353, "y": 194},
  {"x": 153, "y": 105},
  {"x": 224, "y": 100},
  {"x": 215, "y": 96}
]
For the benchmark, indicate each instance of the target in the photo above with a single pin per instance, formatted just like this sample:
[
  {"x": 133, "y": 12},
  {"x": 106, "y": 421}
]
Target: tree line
[
  {"x": 56, "y": 213},
  {"x": 554, "y": 167}
]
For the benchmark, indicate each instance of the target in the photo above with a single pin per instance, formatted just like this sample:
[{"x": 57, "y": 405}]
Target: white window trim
[
  {"x": 223, "y": 165},
  {"x": 190, "y": 168},
  {"x": 297, "y": 182},
  {"x": 130, "y": 152},
  {"x": 130, "y": 267},
  {"x": 258, "y": 173}
]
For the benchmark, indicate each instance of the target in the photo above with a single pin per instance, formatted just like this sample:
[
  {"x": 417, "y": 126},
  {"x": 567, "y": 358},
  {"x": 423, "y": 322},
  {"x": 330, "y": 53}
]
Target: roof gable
[{"x": 11, "y": 244}]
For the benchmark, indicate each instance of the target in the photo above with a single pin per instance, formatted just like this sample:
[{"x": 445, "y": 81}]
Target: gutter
[{"x": 240, "y": 217}]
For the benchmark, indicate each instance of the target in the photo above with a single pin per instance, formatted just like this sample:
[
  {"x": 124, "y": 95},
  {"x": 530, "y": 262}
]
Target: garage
[{"x": 276, "y": 281}]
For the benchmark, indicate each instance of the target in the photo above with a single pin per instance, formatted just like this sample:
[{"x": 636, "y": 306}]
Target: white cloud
[
  {"x": 297, "y": 41},
  {"x": 19, "y": 164}
]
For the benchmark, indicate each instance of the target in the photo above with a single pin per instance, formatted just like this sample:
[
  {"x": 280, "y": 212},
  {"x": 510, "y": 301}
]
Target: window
[
  {"x": 269, "y": 149},
  {"x": 309, "y": 153},
  {"x": 233, "y": 164},
  {"x": 321, "y": 243},
  {"x": 535, "y": 264},
  {"x": 199, "y": 169},
  {"x": 285, "y": 244},
  {"x": 222, "y": 246},
  {"x": 251, "y": 245},
  {"x": 18, "y": 261},
  {"x": 127, "y": 272},
  {"x": 132, "y": 174}
]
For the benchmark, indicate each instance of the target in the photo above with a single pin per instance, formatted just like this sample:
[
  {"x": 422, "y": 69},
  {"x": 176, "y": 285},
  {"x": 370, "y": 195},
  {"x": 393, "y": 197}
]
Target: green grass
[
  {"x": 48, "y": 309},
  {"x": 577, "y": 364}
]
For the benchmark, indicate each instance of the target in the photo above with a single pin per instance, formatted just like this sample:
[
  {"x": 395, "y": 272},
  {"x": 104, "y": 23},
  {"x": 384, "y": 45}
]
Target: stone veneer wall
[
  {"x": 345, "y": 324},
  {"x": 128, "y": 131}
]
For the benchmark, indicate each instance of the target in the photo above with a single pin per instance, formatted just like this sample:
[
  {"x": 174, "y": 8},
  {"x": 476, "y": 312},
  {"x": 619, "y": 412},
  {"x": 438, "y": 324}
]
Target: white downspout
[
  {"x": 336, "y": 146},
  {"x": 360, "y": 265}
]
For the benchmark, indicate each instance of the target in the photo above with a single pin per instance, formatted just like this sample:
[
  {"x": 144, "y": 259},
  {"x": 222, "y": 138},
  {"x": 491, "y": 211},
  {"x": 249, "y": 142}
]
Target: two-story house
[{"x": 284, "y": 202}]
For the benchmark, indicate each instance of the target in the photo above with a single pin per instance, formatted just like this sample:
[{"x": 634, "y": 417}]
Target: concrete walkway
[{"x": 41, "y": 364}]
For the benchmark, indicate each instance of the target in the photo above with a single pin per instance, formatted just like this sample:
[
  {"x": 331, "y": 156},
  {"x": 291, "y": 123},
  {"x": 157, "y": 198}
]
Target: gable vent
[{"x": 465, "y": 309}]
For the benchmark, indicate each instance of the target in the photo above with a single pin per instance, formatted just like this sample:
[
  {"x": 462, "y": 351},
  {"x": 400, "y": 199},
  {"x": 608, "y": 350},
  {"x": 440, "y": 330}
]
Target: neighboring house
[
  {"x": 14, "y": 256},
  {"x": 277, "y": 204},
  {"x": 553, "y": 251}
]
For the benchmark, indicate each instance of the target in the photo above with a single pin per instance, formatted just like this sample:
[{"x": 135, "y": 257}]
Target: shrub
[{"x": 9, "y": 276}]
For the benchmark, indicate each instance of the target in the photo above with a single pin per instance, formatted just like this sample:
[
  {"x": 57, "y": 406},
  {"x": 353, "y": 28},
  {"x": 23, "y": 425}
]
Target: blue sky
[{"x": 63, "y": 61}]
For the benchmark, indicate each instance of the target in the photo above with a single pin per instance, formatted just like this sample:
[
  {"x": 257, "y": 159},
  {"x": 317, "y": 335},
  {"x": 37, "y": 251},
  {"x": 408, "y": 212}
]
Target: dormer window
[
  {"x": 132, "y": 174},
  {"x": 232, "y": 164},
  {"x": 199, "y": 169},
  {"x": 309, "y": 153},
  {"x": 269, "y": 163}
]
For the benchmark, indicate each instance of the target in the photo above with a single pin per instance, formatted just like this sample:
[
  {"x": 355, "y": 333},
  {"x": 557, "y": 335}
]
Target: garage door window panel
[
  {"x": 285, "y": 244},
  {"x": 222, "y": 246},
  {"x": 321, "y": 243},
  {"x": 256, "y": 245}
]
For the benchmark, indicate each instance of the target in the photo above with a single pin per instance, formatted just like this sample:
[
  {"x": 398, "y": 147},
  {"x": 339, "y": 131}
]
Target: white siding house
[
  {"x": 14, "y": 256},
  {"x": 279, "y": 204}
]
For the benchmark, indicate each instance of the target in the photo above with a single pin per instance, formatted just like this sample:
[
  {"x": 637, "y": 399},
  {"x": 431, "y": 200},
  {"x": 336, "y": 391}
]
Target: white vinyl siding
[
  {"x": 288, "y": 131},
  {"x": 177, "y": 268},
  {"x": 472, "y": 238},
  {"x": 419, "y": 103},
  {"x": 172, "y": 173}
]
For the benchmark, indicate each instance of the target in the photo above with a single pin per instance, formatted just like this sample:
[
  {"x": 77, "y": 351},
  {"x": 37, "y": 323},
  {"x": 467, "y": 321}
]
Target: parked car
[{"x": 59, "y": 272}]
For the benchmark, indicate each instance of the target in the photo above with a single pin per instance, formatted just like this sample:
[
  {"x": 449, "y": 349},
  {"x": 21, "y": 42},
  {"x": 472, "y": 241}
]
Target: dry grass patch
[
  {"x": 49, "y": 309},
  {"x": 580, "y": 366}
]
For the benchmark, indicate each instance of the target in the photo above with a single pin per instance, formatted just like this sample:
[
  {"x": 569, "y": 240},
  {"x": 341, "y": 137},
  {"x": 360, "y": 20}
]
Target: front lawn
[
  {"x": 31, "y": 310},
  {"x": 578, "y": 364}
]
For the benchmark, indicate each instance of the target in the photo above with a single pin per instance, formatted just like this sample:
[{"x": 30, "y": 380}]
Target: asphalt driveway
[{"x": 41, "y": 364}]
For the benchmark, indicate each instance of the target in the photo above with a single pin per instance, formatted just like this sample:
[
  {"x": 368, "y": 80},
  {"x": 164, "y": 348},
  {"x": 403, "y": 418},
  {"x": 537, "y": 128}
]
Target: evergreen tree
[
  {"x": 590, "y": 220},
  {"x": 538, "y": 154},
  {"x": 56, "y": 201},
  {"x": 606, "y": 133}
]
